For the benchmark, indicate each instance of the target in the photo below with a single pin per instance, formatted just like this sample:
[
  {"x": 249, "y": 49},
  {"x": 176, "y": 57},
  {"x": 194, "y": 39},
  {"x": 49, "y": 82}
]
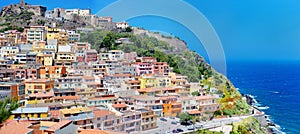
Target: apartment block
[
  {"x": 38, "y": 85},
  {"x": 36, "y": 33}
]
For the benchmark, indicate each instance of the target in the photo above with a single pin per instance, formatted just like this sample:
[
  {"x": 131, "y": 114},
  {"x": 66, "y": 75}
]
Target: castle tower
[{"x": 22, "y": 3}]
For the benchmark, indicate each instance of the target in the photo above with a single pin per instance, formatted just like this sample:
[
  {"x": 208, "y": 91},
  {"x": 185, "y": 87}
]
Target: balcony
[{"x": 86, "y": 125}]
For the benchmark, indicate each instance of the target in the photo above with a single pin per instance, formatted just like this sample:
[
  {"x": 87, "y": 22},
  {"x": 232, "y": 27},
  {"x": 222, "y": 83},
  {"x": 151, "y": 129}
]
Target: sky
[{"x": 258, "y": 30}]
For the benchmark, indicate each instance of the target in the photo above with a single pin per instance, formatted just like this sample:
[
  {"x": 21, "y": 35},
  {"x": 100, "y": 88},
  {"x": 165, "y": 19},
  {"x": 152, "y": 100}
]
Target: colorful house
[
  {"x": 13, "y": 90},
  {"x": 38, "y": 85},
  {"x": 36, "y": 33},
  {"x": 81, "y": 116},
  {"x": 40, "y": 113},
  {"x": 52, "y": 72},
  {"x": 143, "y": 68},
  {"x": 90, "y": 55},
  {"x": 149, "y": 119},
  {"x": 148, "y": 81},
  {"x": 207, "y": 103},
  {"x": 172, "y": 109}
]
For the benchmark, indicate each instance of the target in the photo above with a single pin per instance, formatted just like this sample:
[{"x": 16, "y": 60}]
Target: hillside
[{"x": 179, "y": 57}]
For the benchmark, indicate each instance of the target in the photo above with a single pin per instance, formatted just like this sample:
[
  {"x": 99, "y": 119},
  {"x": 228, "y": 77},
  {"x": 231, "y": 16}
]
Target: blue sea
[{"x": 274, "y": 84}]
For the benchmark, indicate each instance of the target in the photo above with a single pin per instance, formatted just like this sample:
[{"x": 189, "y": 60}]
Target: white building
[
  {"x": 122, "y": 25},
  {"x": 36, "y": 33}
]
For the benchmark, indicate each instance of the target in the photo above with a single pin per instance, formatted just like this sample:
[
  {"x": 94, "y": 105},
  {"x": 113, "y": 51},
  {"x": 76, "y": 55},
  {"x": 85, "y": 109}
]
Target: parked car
[
  {"x": 179, "y": 130},
  {"x": 163, "y": 119},
  {"x": 198, "y": 126},
  {"x": 174, "y": 122},
  {"x": 175, "y": 131},
  {"x": 191, "y": 127}
]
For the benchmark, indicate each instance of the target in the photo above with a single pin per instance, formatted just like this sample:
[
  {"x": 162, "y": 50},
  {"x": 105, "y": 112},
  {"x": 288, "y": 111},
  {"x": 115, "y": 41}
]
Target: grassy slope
[{"x": 247, "y": 126}]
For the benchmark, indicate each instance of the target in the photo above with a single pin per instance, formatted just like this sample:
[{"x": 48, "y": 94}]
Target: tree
[
  {"x": 6, "y": 107},
  {"x": 184, "y": 117},
  {"x": 128, "y": 29},
  {"x": 195, "y": 93}
]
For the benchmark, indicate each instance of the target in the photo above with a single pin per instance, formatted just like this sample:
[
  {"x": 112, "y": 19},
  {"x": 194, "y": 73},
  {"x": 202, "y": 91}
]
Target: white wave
[
  {"x": 263, "y": 108},
  {"x": 275, "y": 92}
]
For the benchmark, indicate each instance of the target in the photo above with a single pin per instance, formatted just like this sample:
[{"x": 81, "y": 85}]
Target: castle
[{"x": 36, "y": 9}]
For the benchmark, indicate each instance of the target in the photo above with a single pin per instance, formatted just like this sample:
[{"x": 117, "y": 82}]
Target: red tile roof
[
  {"x": 15, "y": 127},
  {"x": 42, "y": 94},
  {"x": 119, "y": 105},
  {"x": 204, "y": 97},
  {"x": 59, "y": 125},
  {"x": 101, "y": 113},
  {"x": 67, "y": 97}
]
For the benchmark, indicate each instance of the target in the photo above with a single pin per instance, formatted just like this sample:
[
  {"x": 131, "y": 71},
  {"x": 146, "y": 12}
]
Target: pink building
[
  {"x": 143, "y": 68},
  {"x": 80, "y": 58},
  {"x": 80, "y": 49},
  {"x": 161, "y": 68},
  {"x": 91, "y": 55},
  {"x": 130, "y": 56},
  {"x": 148, "y": 59},
  {"x": 81, "y": 46}
]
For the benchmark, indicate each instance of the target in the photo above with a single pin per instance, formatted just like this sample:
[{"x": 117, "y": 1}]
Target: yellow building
[
  {"x": 38, "y": 46},
  {"x": 44, "y": 59},
  {"x": 63, "y": 38},
  {"x": 59, "y": 34},
  {"x": 38, "y": 85},
  {"x": 52, "y": 33},
  {"x": 40, "y": 113},
  {"x": 164, "y": 81},
  {"x": 48, "y": 59},
  {"x": 148, "y": 82}
]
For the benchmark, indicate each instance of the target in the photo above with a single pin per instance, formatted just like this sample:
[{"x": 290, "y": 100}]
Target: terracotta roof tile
[
  {"x": 15, "y": 127},
  {"x": 119, "y": 105},
  {"x": 58, "y": 125},
  {"x": 42, "y": 94},
  {"x": 100, "y": 113},
  {"x": 67, "y": 97}
]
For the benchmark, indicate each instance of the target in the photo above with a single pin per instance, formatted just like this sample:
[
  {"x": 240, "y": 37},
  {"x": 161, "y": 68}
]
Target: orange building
[
  {"x": 52, "y": 72},
  {"x": 170, "y": 106},
  {"x": 38, "y": 85},
  {"x": 172, "y": 109}
]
